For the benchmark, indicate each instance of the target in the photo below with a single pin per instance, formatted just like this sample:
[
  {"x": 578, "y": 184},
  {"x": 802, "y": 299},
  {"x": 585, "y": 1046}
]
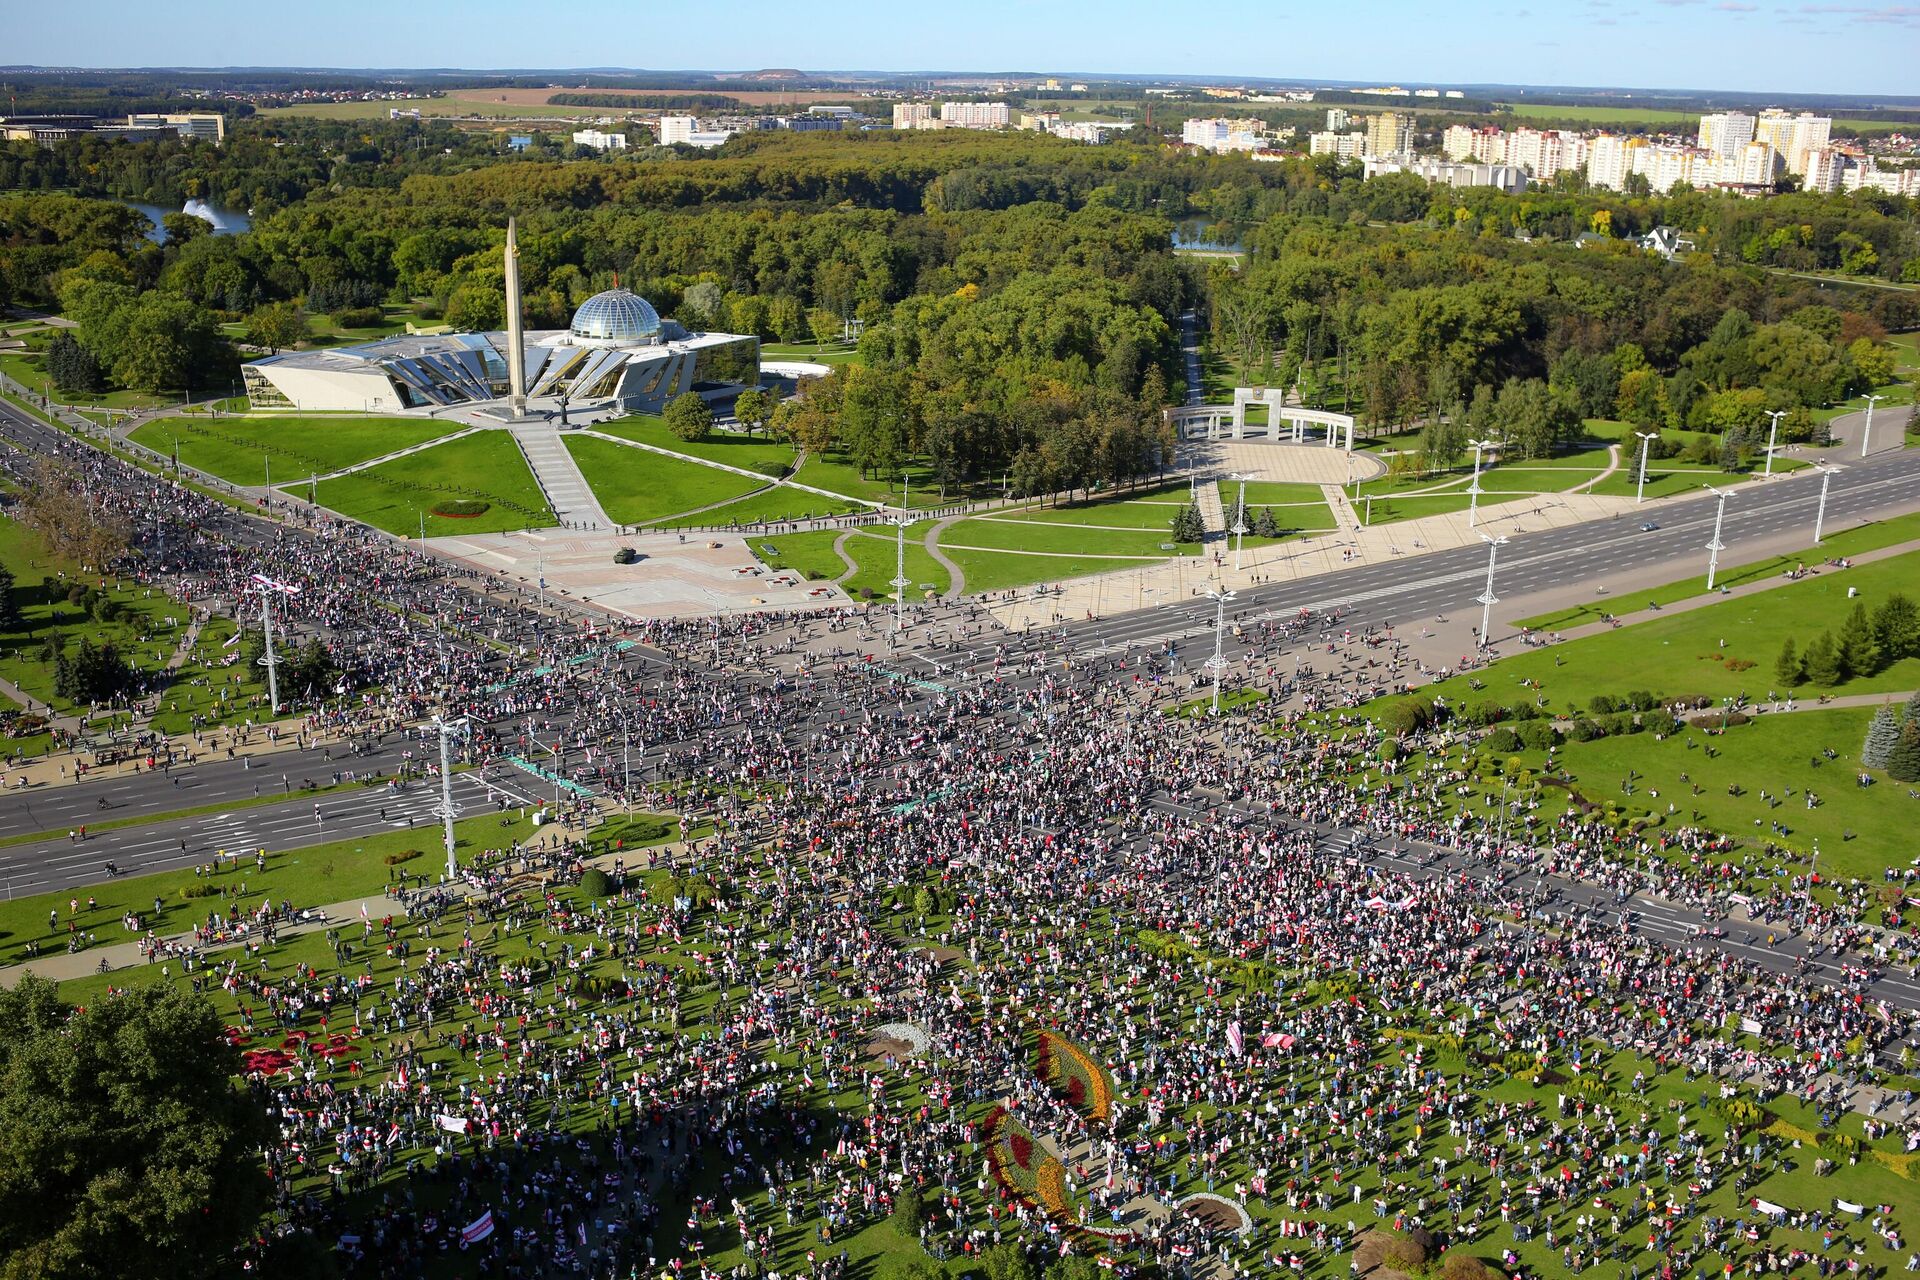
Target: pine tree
[
  {"x": 1187, "y": 526},
  {"x": 1896, "y": 625},
  {"x": 1883, "y": 735},
  {"x": 1823, "y": 661},
  {"x": 1903, "y": 762},
  {"x": 1266, "y": 526},
  {"x": 10, "y": 619},
  {"x": 1786, "y": 667},
  {"x": 1858, "y": 651}
]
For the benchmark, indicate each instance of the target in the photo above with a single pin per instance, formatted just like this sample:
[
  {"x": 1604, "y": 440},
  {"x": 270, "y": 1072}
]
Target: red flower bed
[{"x": 1022, "y": 1147}]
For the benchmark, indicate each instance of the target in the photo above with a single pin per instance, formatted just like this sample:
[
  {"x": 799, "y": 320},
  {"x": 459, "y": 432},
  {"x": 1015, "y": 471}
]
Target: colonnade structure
[{"x": 1285, "y": 422}]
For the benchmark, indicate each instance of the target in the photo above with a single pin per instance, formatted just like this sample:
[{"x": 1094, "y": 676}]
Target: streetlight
[
  {"x": 1866, "y": 433},
  {"x": 1646, "y": 439},
  {"x": 1473, "y": 490},
  {"x": 1772, "y": 433},
  {"x": 1812, "y": 872},
  {"x": 1239, "y": 529},
  {"x": 1827, "y": 472},
  {"x": 1715, "y": 547},
  {"x": 267, "y": 586},
  {"x": 900, "y": 560},
  {"x": 1219, "y": 598},
  {"x": 447, "y": 728},
  {"x": 1486, "y": 598}
]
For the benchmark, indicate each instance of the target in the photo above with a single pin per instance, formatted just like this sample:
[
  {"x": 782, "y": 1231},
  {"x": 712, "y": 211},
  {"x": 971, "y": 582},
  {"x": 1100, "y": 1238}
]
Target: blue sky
[{"x": 1784, "y": 46}]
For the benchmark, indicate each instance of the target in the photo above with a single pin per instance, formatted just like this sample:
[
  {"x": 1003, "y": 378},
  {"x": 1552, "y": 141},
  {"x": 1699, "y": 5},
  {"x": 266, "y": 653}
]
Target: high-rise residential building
[
  {"x": 1725, "y": 132},
  {"x": 1336, "y": 119},
  {"x": 1450, "y": 173},
  {"x": 1545, "y": 153},
  {"x": 914, "y": 115},
  {"x": 1610, "y": 158},
  {"x": 1753, "y": 167},
  {"x": 599, "y": 141},
  {"x": 1825, "y": 167},
  {"x": 1389, "y": 133},
  {"x": 1223, "y": 135},
  {"x": 1457, "y": 142},
  {"x": 1793, "y": 137},
  {"x": 1345, "y": 146},
  {"x": 975, "y": 115}
]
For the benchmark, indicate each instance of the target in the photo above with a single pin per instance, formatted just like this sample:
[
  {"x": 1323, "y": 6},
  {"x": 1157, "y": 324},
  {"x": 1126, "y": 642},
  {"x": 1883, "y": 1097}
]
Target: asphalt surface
[{"x": 1408, "y": 589}]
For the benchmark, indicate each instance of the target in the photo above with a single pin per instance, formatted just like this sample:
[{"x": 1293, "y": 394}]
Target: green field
[
  {"x": 1016, "y": 533},
  {"x": 244, "y": 450},
  {"x": 637, "y": 487},
  {"x": 455, "y": 105},
  {"x": 27, "y": 370},
  {"x": 769, "y": 506},
  {"x": 992, "y": 571},
  {"x": 1691, "y": 653},
  {"x": 398, "y": 495},
  {"x": 845, "y": 478},
  {"x": 769, "y": 458}
]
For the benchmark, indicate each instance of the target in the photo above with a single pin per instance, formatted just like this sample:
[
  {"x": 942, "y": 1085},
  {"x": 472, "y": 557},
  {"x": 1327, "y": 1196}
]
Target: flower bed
[
  {"x": 1014, "y": 1155},
  {"x": 1077, "y": 1075}
]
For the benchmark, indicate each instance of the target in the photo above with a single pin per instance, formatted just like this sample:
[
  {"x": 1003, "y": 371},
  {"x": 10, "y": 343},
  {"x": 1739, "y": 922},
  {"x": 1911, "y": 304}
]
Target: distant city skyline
[{"x": 1723, "y": 45}]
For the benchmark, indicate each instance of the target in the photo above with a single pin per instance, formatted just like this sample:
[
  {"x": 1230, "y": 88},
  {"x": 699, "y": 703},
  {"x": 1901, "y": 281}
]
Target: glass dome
[{"x": 616, "y": 318}]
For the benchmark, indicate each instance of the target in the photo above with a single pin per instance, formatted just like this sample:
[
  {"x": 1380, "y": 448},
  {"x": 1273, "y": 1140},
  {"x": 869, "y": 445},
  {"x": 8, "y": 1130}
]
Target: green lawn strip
[
  {"x": 836, "y": 475},
  {"x": 874, "y": 551},
  {"x": 1230, "y": 700},
  {"x": 486, "y": 466},
  {"x": 808, "y": 554},
  {"x": 769, "y": 458},
  {"x": 1848, "y": 542},
  {"x": 1054, "y": 539},
  {"x": 1145, "y": 514},
  {"x": 243, "y": 450},
  {"x": 1683, "y": 654},
  {"x": 770, "y": 506},
  {"x": 307, "y": 877},
  {"x": 994, "y": 571},
  {"x": 635, "y": 486},
  {"x": 1271, "y": 493},
  {"x": 832, "y": 354},
  {"x": 145, "y": 819}
]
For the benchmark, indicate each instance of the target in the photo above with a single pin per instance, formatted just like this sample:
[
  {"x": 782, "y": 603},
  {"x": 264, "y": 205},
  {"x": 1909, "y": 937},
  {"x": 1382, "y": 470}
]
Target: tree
[
  {"x": 1896, "y": 628},
  {"x": 824, "y": 325},
  {"x": 1188, "y": 526},
  {"x": 1883, "y": 735},
  {"x": 700, "y": 305},
  {"x": 10, "y": 619},
  {"x": 71, "y": 366},
  {"x": 1823, "y": 660},
  {"x": 1873, "y": 362},
  {"x": 1903, "y": 762},
  {"x": 1858, "y": 651},
  {"x": 1006, "y": 1262},
  {"x": 129, "y": 1150},
  {"x": 688, "y": 417},
  {"x": 1266, "y": 526},
  {"x": 277, "y": 326},
  {"x": 1787, "y": 668},
  {"x": 750, "y": 409}
]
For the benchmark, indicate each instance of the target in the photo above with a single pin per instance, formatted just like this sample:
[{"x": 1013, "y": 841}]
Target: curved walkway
[
  {"x": 1613, "y": 465},
  {"x": 840, "y": 549},
  {"x": 941, "y": 558}
]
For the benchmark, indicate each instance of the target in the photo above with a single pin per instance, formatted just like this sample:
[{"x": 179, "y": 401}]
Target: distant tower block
[{"x": 516, "y": 340}]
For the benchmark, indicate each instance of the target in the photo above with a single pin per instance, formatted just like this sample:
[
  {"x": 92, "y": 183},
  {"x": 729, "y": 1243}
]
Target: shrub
[
  {"x": 199, "y": 889},
  {"x": 1464, "y": 1266},
  {"x": 1502, "y": 742},
  {"x": 1482, "y": 714},
  {"x": 405, "y": 855},
  {"x": 1600, "y": 704},
  {"x": 1389, "y": 751},
  {"x": 1536, "y": 735},
  {"x": 461, "y": 508},
  {"x": 1406, "y": 716},
  {"x": 1584, "y": 730},
  {"x": 909, "y": 1210},
  {"x": 358, "y": 317},
  {"x": 596, "y": 883}
]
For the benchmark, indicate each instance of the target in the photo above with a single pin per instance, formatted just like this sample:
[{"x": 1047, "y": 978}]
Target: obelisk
[{"x": 516, "y": 341}]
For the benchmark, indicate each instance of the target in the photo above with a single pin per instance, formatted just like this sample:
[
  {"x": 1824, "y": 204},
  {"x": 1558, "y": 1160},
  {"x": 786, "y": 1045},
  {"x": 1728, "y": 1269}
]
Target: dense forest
[{"x": 1019, "y": 294}]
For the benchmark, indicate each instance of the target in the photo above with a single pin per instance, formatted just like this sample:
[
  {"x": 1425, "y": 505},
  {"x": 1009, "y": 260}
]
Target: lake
[{"x": 226, "y": 222}]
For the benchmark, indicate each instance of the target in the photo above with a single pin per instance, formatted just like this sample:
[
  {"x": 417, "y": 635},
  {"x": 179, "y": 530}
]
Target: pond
[{"x": 226, "y": 222}]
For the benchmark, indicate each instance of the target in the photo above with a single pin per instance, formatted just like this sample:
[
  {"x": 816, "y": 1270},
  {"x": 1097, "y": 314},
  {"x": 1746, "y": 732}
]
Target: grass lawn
[
  {"x": 1152, "y": 511},
  {"x": 242, "y": 450},
  {"x": 1684, "y": 654},
  {"x": 873, "y": 550},
  {"x": 1850, "y": 542},
  {"x": 1861, "y": 829},
  {"x": 1016, "y": 533},
  {"x": 637, "y": 487},
  {"x": 771, "y": 506},
  {"x": 993, "y": 571},
  {"x": 324, "y": 331},
  {"x": 838, "y": 476},
  {"x": 486, "y": 467},
  {"x": 830, "y": 354},
  {"x": 808, "y": 554},
  {"x": 769, "y": 458}
]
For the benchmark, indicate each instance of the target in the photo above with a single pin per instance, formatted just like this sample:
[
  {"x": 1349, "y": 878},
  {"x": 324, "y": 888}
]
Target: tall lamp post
[
  {"x": 267, "y": 587},
  {"x": 447, "y": 728},
  {"x": 1646, "y": 439},
  {"x": 1239, "y": 530},
  {"x": 1486, "y": 598},
  {"x": 1827, "y": 472},
  {"x": 1866, "y": 433},
  {"x": 1715, "y": 547},
  {"x": 1219, "y": 663},
  {"x": 1773, "y": 433},
  {"x": 1473, "y": 490}
]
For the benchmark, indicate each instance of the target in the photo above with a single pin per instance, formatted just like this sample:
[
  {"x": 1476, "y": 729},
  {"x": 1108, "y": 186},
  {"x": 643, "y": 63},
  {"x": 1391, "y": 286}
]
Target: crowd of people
[{"x": 1315, "y": 992}]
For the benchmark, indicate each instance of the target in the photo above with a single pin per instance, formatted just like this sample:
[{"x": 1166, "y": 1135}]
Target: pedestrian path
[
  {"x": 559, "y": 475},
  {"x": 1213, "y": 515},
  {"x": 1345, "y": 520}
]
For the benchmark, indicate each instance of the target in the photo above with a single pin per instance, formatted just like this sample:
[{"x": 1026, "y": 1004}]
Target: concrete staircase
[{"x": 560, "y": 479}]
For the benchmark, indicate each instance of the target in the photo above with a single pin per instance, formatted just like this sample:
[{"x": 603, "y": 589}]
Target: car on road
[{"x": 1648, "y": 527}]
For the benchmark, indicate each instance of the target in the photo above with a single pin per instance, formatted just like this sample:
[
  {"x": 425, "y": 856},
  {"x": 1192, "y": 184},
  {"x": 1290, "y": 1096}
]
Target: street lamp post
[
  {"x": 267, "y": 586},
  {"x": 1715, "y": 547},
  {"x": 1473, "y": 490},
  {"x": 1218, "y": 663},
  {"x": 1486, "y": 598},
  {"x": 900, "y": 560},
  {"x": 1820, "y": 515},
  {"x": 1240, "y": 518},
  {"x": 1812, "y": 872},
  {"x": 1773, "y": 433},
  {"x": 447, "y": 729},
  {"x": 1646, "y": 439},
  {"x": 1866, "y": 433}
]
